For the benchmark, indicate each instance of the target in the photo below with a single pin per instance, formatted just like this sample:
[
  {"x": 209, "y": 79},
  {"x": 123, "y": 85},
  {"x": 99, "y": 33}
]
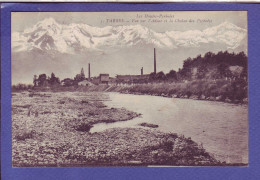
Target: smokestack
[
  {"x": 142, "y": 71},
  {"x": 88, "y": 71},
  {"x": 154, "y": 61}
]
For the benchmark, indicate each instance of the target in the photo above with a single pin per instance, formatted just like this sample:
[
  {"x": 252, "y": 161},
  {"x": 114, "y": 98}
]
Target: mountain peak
[
  {"x": 48, "y": 21},
  {"x": 48, "y": 24},
  {"x": 229, "y": 26}
]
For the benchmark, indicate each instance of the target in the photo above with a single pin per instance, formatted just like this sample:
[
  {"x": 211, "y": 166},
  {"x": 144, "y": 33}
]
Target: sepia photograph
[{"x": 130, "y": 88}]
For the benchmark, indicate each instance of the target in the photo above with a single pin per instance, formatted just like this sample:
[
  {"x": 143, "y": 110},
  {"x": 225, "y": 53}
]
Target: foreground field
[{"x": 52, "y": 129}]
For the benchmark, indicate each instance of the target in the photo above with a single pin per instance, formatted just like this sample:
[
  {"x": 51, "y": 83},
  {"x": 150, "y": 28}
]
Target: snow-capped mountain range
[
  {"x": 64, "y": 49},
  {"x": 49, "y": 35}
]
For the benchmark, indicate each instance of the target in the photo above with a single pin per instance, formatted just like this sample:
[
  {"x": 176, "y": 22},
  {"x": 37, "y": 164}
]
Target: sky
[{"x": 202, "y": 19}]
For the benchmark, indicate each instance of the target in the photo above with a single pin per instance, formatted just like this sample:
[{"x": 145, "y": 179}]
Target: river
[{"x": 222, "y": 128}]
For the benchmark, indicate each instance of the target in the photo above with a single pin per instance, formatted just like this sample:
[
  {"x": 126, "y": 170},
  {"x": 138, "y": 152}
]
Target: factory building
[
  {"x": 143, "y": 78},
  {"x": 132, "y": 78},
  {"x": 104, "y": 78}
]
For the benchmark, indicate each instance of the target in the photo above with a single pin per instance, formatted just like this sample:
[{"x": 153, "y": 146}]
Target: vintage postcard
[{"x": 150, "y": 88}]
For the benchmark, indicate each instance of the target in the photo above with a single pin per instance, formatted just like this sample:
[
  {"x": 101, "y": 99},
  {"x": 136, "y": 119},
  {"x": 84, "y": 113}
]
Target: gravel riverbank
[{"x": 52, "y": 129}]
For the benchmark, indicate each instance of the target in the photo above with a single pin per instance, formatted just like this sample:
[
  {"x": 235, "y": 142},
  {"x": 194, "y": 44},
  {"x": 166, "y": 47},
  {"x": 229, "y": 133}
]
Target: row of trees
[
  {"x": 172, "y": 76},
  {"x": 43, "y": 80},
  {"x": 214, "y": 66},
  {"x": 211, "y": 66},
  {"x": 21, "y": 87}
]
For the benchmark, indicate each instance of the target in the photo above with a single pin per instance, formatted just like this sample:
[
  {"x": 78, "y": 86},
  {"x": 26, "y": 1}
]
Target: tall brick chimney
[
  {"x": 142, "y": 71},
  {"x": 88, "y": 71},
  {"x": 154, "y": 61}
]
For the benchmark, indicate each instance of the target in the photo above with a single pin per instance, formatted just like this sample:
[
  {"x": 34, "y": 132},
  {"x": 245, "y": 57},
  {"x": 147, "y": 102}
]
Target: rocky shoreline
[
  {"x": 160, "y": 90},
  {"x": 52, "y": 129},
  {"x": 194, "y": 97}
]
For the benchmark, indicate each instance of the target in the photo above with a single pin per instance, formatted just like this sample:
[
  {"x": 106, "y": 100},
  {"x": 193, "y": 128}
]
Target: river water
[{"x": 222, "y": 128}]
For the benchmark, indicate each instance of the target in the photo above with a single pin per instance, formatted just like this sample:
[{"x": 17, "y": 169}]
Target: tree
[
  {"x": 54, "y": 80},
  {"x": 152, "y": 76},
  {"x": 160, "y": 76},
  {"x": 52, "y": 75},
  {"x": 68, "y": 82},
  {"x": 223, "y": 70},
  {"x": 202, "y": 71},
  {"x": 209, "y": 55},
  {"x": 82, "y": 73},
  {"x": 187, "y": 63},
  {"x": 21, "y": 87},
  {"x": 42, "y": 79},
  {"x": 172, "y": 75},
  {"x": 185, "y": 72},
  {"x": 78, "y": 78}
]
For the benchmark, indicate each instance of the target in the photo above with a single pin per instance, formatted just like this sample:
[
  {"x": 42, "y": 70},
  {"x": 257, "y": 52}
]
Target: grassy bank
[
  {"x": 52, "y": 129},
  {"x": 231, "y": 91},
  {"x": 218, "y": 90}
]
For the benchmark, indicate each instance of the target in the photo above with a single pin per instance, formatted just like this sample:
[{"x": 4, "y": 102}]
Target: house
[
  {"x": 85, "y": 83},
  {"x": 104, "y": 78}
]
